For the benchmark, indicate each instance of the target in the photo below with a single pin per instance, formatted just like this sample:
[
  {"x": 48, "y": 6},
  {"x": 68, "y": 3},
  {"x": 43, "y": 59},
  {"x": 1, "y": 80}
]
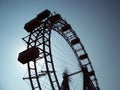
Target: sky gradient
[{"x": 96, "y": 22}]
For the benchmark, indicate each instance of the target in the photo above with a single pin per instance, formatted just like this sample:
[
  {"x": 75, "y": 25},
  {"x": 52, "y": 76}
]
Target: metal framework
[{"x": 40, "y": 37}]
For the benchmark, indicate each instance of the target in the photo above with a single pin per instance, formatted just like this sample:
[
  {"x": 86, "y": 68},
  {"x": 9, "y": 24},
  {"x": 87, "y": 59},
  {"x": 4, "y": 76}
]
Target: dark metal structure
[{"x": 39, "y": 48}]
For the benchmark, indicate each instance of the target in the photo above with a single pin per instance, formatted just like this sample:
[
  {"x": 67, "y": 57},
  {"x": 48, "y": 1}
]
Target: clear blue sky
[{"x": 97, "y": 23}]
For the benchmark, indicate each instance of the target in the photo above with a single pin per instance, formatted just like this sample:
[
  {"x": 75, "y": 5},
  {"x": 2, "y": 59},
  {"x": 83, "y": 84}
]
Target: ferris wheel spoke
[{"x": 74, "y": 73}]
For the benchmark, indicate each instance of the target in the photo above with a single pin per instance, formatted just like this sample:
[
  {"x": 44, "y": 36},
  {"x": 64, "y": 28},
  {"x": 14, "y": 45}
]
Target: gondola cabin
[
  {"x": 31, "y": 25},
  {"x": 54, "y": 19},
  {"x": 75, "y": 41},
  {"x": 43, "y": 15},
  {"x": 28, "y": 55},
  {"x": 66, "y": 27}
]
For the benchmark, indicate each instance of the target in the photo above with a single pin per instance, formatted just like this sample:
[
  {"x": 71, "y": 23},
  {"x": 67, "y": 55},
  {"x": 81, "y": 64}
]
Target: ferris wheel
[{"x": 55, "y": 57}]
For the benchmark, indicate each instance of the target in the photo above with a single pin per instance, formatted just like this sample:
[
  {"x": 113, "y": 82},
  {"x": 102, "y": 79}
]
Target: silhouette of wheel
[{"x": 55, "y": 56}]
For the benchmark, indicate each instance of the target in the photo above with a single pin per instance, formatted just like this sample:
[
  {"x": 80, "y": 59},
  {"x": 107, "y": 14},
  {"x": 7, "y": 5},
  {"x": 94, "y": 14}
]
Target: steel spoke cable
[
  {"x": 66, "y": 58},
  {"x": 60, "y": 43},
  {"x": 68, "y": 51},
  {"x": 64, "y": 61}
]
